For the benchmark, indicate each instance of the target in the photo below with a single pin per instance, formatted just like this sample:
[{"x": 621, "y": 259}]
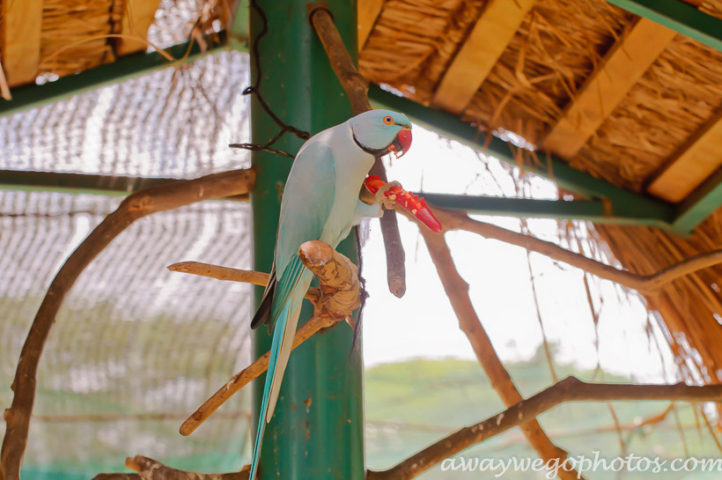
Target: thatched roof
[
  {"x": 650, "y": 99},
  {"x": 557, "y": 50}
]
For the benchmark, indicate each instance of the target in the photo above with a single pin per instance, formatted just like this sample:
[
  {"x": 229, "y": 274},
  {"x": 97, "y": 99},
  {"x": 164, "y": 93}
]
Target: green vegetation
[{"x": 412, "y": 404}]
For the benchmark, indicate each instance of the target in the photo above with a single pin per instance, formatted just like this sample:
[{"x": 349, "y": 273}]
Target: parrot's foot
[{"x": 387, "y": 201}]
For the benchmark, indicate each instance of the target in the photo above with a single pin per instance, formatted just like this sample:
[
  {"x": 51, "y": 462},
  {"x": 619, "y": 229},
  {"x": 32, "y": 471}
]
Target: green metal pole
[{"x": 317, "y": 430}]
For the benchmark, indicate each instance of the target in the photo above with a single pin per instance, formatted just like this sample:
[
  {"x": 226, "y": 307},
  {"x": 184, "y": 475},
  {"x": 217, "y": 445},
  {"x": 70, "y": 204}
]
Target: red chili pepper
[{"x": 410, "y": 202}]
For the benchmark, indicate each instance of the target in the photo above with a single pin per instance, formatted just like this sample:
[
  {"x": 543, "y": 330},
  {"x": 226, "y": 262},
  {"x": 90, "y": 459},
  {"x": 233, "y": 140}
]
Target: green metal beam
[
  {"x": 699, "y": 204},
  {"x": 77, "y": 183},
  {"x": 29, "y": 181},
  {"x": 126, "y": 67},
  {"x": 591, "y": 210},
  {"x": 678, "y": 16},
  {"x": 317, "y": 430},
  {"x": 623, "y": 203}
]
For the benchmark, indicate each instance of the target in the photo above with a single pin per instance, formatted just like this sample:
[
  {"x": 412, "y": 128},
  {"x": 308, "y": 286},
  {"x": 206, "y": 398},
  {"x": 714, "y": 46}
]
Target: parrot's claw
[{"x": 389, "y": 202}]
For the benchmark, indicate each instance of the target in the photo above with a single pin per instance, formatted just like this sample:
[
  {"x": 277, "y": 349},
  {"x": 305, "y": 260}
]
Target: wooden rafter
[
  {"x": 622, "y": 67},
  {"x": 22, "y": 25},
  {"x": 694, "y": 163},
  {"x": 137, "y": 18},
  {"x": 368, "y": 12},
  {"x": 473, "y": 63}
]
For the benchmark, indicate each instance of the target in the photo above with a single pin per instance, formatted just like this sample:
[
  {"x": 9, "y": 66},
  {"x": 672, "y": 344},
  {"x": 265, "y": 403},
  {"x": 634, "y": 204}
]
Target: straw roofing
[
  {"x": 712, "y": 7},
  {"x": 74, "y": 35},
  {"x": 675, "y": 98},
  {"x": 412, "y": 44},
  {"x": 690, "y": 307},
  {"x": 557, "y": 47}
]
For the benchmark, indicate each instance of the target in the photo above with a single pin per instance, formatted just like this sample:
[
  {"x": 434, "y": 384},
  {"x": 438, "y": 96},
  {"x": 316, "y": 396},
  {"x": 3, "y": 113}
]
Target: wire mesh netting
[
  {"x": 172, "y": 123},
  {"x": 135, "y": 348}
]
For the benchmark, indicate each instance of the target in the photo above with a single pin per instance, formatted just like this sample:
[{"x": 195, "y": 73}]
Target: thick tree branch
[
  {"x": 643, "y": 283},
  {"x": 458, "y": 292},
  {"x": 568, "y": 390},
  {"x": 149, "y": 469},
  {"x": 339, "y": 297},
  {"x": 356, "y": 87},
  {"x": 135, "y": 206}
]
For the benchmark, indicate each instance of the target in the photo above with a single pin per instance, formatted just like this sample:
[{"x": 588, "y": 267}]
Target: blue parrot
[{"x": 320, "y": 202}]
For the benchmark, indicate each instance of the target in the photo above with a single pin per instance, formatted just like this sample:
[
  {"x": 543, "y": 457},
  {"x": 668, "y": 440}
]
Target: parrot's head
[{"x": 382, "y": 131}]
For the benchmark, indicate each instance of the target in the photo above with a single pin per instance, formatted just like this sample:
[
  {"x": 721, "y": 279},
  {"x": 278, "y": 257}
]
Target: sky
[{"x": 422, "y": 323}]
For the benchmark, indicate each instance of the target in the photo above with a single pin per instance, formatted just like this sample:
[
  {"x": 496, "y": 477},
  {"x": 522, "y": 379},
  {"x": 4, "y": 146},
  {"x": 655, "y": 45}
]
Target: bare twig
[
  {"x": 568, "y": 390},
  {"x": 643, "y": 283},
  {"x": 231, "y": 275},
  {"x": 149, "y": 469},
  {"x": 395, "y": 254},
  {"x": 245, "y": 376},
  {"x": 356, "y": 87},
  {"x": 458, "y": 292},
  {"x": 135, "y": 206},
  {"x": 339, "y": 297}
]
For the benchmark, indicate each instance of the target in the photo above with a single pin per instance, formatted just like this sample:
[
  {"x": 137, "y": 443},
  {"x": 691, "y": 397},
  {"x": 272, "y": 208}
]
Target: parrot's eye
[{"x": 388, "y": 120}]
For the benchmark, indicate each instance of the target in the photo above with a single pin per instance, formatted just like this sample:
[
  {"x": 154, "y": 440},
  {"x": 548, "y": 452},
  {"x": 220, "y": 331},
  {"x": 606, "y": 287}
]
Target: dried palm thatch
[
  {"x": 77, "y": 35},
  {"x": 713, "y": 7},
  {"x": 425, "y": 36},
  {"x": 689, "y": 308},
  {"x": 675, "y": 98},
  {"x": 558, "y": 46},
  {"x": 74, "y": 35}
]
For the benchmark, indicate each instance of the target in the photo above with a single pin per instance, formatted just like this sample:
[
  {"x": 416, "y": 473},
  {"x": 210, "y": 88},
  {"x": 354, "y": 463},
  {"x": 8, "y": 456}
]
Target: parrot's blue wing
[
  {"x": 307, "y": 201},
  {"x": 306, "y": 206}
]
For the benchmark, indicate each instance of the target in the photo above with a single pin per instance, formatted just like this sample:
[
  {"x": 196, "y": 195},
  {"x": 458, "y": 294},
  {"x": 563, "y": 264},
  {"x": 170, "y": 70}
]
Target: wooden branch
[
  {"x": 340, "y": 296},
  {"x": 232, "y": 275},
  {"x": 135, "y": 206},
  {"x": 649, "y": 284},
  {"x": 395, "y": 254},
  {"x": 568, "y": 390},
  {"x": 458, "y": 292},
  {"x": 356, "y": 87},
  {"x": 149, "y": 469}
]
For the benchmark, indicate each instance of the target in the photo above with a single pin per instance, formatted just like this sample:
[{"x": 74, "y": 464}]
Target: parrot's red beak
[{"x": 402, "y": 142}]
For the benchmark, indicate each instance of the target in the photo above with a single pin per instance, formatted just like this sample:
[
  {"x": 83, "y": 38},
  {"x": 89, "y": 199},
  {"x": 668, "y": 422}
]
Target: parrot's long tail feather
[
  {"x": 270, "y": 375},
  {"x": 263, "y": 313},
  {"x": 285, "y": 312}
]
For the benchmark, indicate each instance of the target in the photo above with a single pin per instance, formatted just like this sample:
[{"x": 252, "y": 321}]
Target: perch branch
[
  {"x": 649, "y": 284},
  {"x": 357, "y": 87},
  {"x": 135, "y": 206},
  {"x": 149, "y": 469},
  {"x": 458, "y": 292},
  {"x": 339, "y": 297},
  {"x": 568, "y": 390},
  {"x": 231, "y": 275}
]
